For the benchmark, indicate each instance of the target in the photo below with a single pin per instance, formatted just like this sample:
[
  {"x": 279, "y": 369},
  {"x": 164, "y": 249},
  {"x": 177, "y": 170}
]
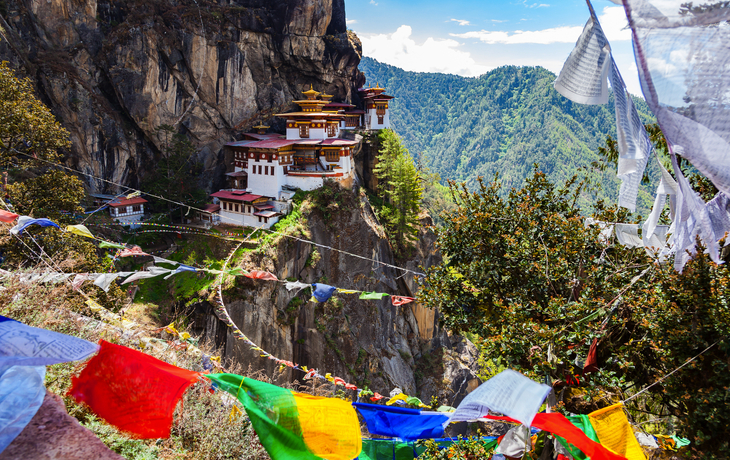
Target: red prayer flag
[
  {"x": 8, "y": 217},
  {"x": 556, "y": 423},
  {"x": 400, "y": 300},
  {"x": 261, "y": 275},
  {"x": 133, "y": 251},
  {"x": 591, "y": 364},
  {"x": 131, "y": 390}
]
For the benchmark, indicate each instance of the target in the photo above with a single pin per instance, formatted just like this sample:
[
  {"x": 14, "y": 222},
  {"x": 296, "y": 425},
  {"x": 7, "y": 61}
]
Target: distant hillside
[{"x": 503, "y": 121}]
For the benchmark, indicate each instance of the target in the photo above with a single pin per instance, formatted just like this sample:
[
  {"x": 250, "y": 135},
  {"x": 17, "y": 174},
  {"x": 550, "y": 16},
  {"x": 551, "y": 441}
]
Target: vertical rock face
[
  {"x": 367, "y": 342},
  {"x": 114, "y": 71}
]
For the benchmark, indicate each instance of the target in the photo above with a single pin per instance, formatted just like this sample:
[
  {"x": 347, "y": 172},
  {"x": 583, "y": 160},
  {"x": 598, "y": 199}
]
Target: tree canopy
[
  {"x": 27, "y": 126},
  {"x": 541, "y": 288},
  {"x": 401, "y": 184}
]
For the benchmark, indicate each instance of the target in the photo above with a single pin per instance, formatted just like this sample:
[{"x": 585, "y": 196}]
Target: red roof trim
[
  {"x": 126, "y": 201},
  {"x": 226, "y": 195}
]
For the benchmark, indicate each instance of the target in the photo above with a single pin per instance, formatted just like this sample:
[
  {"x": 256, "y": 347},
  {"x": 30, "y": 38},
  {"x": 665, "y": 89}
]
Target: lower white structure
[
  {"x": 127, "y": 210},
  {"x": 238, "y": 207}
]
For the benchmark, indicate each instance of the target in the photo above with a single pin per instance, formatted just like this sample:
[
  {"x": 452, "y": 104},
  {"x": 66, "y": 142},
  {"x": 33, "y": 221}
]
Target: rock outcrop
[
  {"x": 115, "y": 70},
  {"x": 368, "y": 342}
]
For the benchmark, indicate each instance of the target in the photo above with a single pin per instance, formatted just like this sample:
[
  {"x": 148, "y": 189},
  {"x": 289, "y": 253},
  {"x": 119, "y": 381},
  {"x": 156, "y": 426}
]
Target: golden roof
[{"x": 311, "y": 93}]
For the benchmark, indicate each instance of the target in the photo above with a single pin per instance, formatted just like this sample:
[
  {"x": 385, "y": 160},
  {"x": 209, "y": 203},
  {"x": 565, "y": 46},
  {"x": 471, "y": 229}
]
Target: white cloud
[
  {"x": 612, "y": 20},
  {"x": 499, "y": 20},
  {"x": 372, "y": 2},
  {"x": 433, "y": 55},
  {"x": 351, "y": 21},
  {"x": 462, "y": 22}
]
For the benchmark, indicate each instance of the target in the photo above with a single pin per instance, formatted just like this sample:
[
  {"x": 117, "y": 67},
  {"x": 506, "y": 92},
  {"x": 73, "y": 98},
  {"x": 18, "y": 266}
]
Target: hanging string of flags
[
  {"x": 321, "y": 292},
  {"x": 138, "y": 394},
  {"x": 397, "y": 396},
  {"x": 584, "y": 78}
]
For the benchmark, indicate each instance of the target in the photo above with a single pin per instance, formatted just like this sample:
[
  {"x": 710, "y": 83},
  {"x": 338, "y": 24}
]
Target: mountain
[{"x": 501, "y": 122}]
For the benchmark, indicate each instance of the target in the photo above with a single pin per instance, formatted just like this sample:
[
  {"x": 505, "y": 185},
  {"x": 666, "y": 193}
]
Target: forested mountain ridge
[{"x": 503, "y": 121}]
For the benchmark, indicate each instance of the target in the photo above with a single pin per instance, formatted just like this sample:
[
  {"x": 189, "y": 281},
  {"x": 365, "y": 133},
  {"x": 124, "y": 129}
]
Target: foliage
[
  {"x": 27, "y": 127},
  {"x": 47, "y": 195},
  {"x": 400, "y": 183},
  {"x": 503, "y": 121},
  {"x": 538, "y": 286},
  {"x": 177, "y": 172},
  {"x": 463, "y": 449}
]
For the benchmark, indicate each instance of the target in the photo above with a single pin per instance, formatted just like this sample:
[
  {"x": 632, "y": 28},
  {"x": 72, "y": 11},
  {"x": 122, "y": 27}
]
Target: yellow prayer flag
[
  {"x": 398, "y": 397},
  {"x": 80, "y": 230},
  {"x": 235, "y": 413},
  {"x": 93, "y": 305},
  {"x": 347, "y": 291},
  {"x": 613, "y": 430}
]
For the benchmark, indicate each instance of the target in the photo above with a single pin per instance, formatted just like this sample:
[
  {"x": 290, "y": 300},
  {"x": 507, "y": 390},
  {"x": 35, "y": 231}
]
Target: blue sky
[{"x": 470, "y": 37}]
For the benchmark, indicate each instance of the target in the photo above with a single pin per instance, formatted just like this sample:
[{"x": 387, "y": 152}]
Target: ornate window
[{"x": 304, "y": 131}]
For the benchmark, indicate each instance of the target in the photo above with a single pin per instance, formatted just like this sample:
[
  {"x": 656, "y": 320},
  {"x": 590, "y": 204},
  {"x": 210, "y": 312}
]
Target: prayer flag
[
  {"x": 584, "y": 77},
  {"x": 347, "y": 291},
  {"x": 399, "y": 397},
  {"x": 21, "y": 395},
  {"x": 322, "y": 292},
  {"x": 261, "y": 275},
  {"x": 105, "y": 280},
  {"x": 582, "y": 422},
  {"x": 6, "y": 216},
  {"x": 292, "y": 285},
  {"x": 509, "y": 392},
  {"x": 160, "y": 260},
  {"x": 80, "y": 230},
  {"x": 22, "y": 345},
  {"x": 615, "y": 433},
  {"x": 557, "y": 424},
  {"x": 133, "y": 251},
  {"x": 109, "y": 244},
  {"x": 397, "y": 422},
  {"x": 25, "y": 221},
  {"x": 373, "y": 295},
  {"x": 150, "y": 273},
  {"x": 513, "y": 443},
  {"x": 294, "y": 426},
  {"x": 131, "y": 390},
  {"x": 400, "y": 300}
]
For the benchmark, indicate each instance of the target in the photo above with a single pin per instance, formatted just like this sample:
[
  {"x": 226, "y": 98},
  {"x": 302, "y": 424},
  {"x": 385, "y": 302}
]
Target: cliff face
[
  {"x": 114, "y": 71},
  {"x": 367, "y": 342}
]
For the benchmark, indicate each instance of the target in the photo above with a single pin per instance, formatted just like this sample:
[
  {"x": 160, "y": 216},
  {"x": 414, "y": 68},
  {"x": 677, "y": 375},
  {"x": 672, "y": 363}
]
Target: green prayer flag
[
  {"x": 680, "y": 442},
  {"x": 109, "y": 244},
  {"x": 373, "y": 295},
  {"x": 293, "y": 426},
  {"x": 584, "y": 423}
]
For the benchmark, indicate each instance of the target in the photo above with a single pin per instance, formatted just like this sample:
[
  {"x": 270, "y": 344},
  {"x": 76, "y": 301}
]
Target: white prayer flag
[
  {"x": 22, "y": 345},
  {"x": 21, "y": 395},
  {"x": 509, "y": 393},
  {"x": 583, "y": 78}
]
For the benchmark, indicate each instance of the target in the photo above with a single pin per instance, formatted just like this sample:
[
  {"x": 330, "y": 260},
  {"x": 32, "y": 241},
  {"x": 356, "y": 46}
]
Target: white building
[
  {"x": 377, "y": 112},
  {"x": 238, "y": 207},
  {"x": 127, "y": 210},
  {"x": 266, "y": 167}
]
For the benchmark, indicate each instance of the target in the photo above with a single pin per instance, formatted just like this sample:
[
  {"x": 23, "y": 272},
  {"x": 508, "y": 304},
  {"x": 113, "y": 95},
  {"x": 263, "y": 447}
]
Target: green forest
[{"x": 503, "y": 122}]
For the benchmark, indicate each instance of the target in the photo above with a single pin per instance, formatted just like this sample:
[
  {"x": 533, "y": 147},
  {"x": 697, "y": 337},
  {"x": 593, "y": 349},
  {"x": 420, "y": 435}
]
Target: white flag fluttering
[{"x": 509, "y": 393}]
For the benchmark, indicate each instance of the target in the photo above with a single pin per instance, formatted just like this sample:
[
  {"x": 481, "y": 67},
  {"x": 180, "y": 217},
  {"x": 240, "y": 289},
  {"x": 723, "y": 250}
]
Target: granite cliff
[
  {"x": 114, "y": 71},
  {"x": 368, "y": 342}
]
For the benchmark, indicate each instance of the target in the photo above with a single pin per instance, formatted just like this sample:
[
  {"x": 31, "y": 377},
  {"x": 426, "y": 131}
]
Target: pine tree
[{"x": 401, "y": 186}]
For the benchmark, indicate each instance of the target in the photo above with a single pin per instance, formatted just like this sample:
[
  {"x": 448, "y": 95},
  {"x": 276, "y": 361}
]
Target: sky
[{"x": 471, "y": 37}]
